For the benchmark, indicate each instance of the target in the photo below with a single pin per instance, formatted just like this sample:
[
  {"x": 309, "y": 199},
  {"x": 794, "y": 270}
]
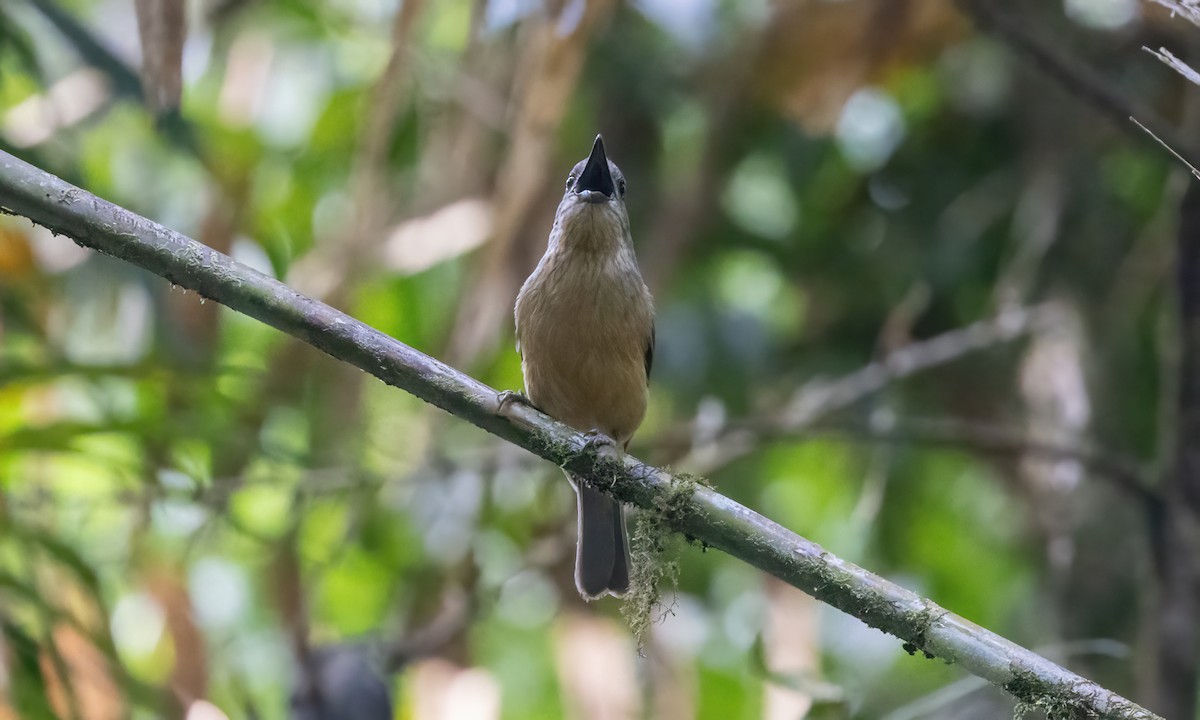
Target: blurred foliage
[{"x": 812, "y": 185}]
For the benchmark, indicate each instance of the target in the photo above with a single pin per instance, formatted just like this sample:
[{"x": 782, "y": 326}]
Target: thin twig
[
  {"x": 1168, "y": 147},
  {"x": 821, "y": 397},
  {"x": 1170, "y": 60},
  {"x": 694, "y": 509},
  {"x": 1187, "y": 8}
]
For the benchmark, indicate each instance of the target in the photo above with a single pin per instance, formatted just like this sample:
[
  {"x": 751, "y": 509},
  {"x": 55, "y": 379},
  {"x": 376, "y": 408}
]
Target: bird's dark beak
[{"x": 596, "y": 177}]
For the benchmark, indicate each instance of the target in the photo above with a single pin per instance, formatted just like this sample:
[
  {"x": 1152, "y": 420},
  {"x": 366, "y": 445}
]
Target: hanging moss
[{"x": 654, "y": 549}]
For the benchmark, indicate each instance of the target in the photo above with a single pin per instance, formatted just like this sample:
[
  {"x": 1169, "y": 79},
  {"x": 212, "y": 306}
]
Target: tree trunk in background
[{"x": 1177, "y": 541}]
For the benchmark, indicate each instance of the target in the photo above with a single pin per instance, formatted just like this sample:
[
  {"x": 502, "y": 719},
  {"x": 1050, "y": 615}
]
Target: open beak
[{"x": 595, "y": 183}]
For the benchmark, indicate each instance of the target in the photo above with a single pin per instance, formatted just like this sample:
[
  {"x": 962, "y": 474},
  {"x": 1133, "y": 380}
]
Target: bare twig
[
  {"x": 819, "y": 398},
  {"x": 1189, "y": 9},
  {"x": 1173, "y": 62},
  {"x": 1167, "y": 147},
  {"x": 692, "y": 508}
]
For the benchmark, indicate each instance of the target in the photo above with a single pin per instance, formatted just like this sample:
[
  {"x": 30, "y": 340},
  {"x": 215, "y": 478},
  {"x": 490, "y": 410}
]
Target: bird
[{"x": 585, "y": 332}]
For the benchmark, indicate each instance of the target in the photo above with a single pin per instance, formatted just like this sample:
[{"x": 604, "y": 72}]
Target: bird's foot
[
  {"x": 602, "y": 444},
  {"x": 510, "y": 396}
]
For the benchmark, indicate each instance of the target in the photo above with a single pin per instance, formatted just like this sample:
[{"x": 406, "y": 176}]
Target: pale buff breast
[{"x": 584, "y": 321}]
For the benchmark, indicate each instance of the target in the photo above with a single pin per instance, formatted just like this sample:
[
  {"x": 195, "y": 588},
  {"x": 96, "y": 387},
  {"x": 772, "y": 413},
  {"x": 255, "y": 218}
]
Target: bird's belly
[{"x": 588, "y": 382}]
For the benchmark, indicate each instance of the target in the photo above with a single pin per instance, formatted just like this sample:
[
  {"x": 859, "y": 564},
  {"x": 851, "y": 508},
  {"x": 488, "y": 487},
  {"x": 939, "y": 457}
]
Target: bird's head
[{"x": 593, "y": 203}]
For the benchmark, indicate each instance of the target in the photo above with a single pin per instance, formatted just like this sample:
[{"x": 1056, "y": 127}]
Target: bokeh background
[{"x": 914, "y": 302}]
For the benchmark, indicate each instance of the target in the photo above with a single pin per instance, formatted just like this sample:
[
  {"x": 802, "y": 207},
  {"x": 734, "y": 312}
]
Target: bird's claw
[
  {"x": 510, "y": 396},
  {"x": 601, "y": 443}
]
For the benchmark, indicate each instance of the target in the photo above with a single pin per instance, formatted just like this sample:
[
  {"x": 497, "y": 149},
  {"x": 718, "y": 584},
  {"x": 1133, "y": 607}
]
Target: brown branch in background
[
  {"x": 369, "y": 174},
  {"x": 458, "y": 146},
  {"x": 288, "y": 594},
  {"x": 1074, "y": 76},
  {"x": 445, "y": 627},
  {"x": 791, "y": 653},
  {"x": 386, "y": 98},
  {"x": 350, "y": 257},
  {"x": 548, "y": 73},
  {"x": 123, "y": 81},
  {"x": 189, "y": 679},
  {"x": 331, "y": 271},
  {"x": 693, "y": 202},
  {"x": 608, "y": 649},
  {"x": 162, "y": 28}
]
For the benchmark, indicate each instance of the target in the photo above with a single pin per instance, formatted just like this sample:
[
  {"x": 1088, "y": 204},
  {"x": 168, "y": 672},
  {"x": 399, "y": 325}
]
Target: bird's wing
[
  {"x": 517, "y": 328},
  {"x": 650, "y": 352}
]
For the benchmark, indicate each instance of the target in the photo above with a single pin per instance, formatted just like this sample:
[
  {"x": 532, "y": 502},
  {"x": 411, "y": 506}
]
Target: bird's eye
[
  {"x": 621, "y": 187},
  {"x": 570, "y": 181}
]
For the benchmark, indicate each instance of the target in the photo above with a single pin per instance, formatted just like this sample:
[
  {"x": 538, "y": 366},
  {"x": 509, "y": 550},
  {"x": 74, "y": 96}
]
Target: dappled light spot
[
  {"x": 528, "y": 599},
  {"x": 870, "y": 129},
  {"x": 204, "y": 710},
  {"x": 219, "y": 592},
  {"x": 759, "y": 198},
  {"x": 689, "y": 22},
  {"x": 137, "y": 624},
  {"x": 1103, "y": 14}
]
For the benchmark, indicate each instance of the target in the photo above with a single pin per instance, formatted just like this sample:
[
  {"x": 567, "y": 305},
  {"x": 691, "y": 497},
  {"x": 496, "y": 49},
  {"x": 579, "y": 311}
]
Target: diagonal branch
[
  {"x": 695, "y": 510},
  {"x": 821, "y": 397}
]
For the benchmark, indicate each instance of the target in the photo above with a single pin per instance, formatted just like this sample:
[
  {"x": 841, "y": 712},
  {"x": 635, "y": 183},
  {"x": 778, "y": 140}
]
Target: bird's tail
[{"x": 602, "y": 552}]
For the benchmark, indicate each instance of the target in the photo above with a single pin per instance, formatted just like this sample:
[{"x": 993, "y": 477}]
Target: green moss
[
  {"x": 655, "y": 554},
  {"x": 690, "y": 481},
  {"x": 922, "y": 621},
  {"x": 1034, "y": 694},
  {"x": 547, "y": 446}
]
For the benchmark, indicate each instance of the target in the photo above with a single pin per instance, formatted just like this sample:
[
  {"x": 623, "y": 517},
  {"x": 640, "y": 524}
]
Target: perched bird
[{"x": 585, "y": 331}]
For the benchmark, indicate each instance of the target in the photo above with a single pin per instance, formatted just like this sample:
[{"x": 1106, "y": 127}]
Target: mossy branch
[{"x": 702, "y": 513}]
